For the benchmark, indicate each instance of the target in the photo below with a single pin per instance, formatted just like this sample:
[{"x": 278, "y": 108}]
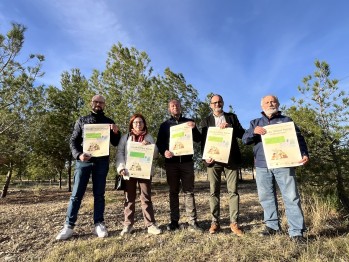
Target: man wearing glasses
[
  {"x": 221, "y": 119},
  {"x": 85, "y": 165}
]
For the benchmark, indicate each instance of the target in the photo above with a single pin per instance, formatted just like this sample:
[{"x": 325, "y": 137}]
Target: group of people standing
[{"x": 180, "y": 171}]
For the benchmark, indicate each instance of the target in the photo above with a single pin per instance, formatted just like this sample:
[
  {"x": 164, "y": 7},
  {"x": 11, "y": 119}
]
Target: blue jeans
[
  {"x": 99, "y": 168},
  {"x": 286, "y": 180}
]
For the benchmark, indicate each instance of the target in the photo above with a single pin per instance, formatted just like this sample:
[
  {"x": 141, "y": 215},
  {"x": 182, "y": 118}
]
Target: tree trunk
[
  {"x": 7, "y": 182},
  {"x": 69, "y": 172},
  {"x": 116, "y": 182},
  {"x": 60, "y": 179},
  {"x": 341, "y": 194}
]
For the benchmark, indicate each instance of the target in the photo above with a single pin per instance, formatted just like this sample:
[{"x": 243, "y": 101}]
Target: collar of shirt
[{"x": 219, "y": 120}]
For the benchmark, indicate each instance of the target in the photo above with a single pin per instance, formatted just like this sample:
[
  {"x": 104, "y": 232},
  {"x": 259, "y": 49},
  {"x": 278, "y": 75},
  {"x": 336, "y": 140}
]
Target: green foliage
[
  {"x": 17, "y": 91},
  {"x": 63, "y": 108},
  {"x": 130, "y": 87},
  {"x": 322, "y": 114},
  {"x": 19, "y": 98}
]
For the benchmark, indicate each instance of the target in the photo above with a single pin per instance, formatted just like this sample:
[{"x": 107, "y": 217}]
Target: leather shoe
[
  {"x": 269, "y": 232},
  {"x": 214, "y": 228},
  {"x": 173, "y": 226},
  {"x": 236, "y": 230},
  {"x": 299, "y": 239}
]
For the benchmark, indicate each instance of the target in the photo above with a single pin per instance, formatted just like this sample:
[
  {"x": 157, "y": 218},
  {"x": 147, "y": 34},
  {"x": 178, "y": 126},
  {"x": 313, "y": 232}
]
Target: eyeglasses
[
  {"x": 137, "y": 122},
  {"x": 215, "y": 103},
  {"x": 98, "y": 102}
]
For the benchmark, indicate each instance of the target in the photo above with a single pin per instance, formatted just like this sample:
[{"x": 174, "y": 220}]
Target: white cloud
[{"x": 90, "y": 24}]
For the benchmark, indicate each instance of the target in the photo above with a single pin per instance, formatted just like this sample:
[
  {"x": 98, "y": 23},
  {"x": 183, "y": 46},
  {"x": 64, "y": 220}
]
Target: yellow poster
[
  {"x": 280, "y": 145},
  {"x": 181, "y": 140},
  {"x": 218, "y": 144},
  {"x": 139, "y": 159},
  {"x": 96, "y": 139}
]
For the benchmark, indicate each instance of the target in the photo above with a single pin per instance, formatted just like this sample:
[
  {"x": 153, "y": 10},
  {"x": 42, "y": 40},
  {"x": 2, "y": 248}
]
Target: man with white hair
[{"x": 285, "y": 177}]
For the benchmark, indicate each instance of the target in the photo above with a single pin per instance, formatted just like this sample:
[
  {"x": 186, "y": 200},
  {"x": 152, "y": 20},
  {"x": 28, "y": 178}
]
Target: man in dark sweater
[{"x": 179, "y": 169}]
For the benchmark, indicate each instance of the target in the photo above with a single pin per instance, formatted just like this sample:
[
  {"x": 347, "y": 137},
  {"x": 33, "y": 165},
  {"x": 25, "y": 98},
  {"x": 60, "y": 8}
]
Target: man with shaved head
[
  {"x": 179, "y": 169},
  {"x": 87, "y": 165}
]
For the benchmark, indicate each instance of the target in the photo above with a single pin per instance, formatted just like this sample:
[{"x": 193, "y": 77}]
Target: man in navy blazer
[{"x": 221, "y": 119}]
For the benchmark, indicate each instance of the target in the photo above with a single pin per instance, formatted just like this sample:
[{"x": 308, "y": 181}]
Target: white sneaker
[
  {"x": 127, "y": 230},
  {"x": 100, "y": 230},
  {"x": 154, "y": 230},
  {"x": 66, "y": 232}
]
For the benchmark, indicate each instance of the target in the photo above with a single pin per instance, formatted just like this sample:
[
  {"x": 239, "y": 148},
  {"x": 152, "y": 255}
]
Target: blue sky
[{"x": 239, "y": 49}]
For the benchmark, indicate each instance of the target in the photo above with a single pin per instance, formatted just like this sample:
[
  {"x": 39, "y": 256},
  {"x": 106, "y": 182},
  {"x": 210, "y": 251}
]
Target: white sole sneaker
[
  {"x": 154, "y": 230},
  {"x": 100, "y": 230},
  {"x": 65, "y": 233}
]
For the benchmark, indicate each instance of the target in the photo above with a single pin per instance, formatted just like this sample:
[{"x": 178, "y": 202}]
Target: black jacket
[
  {"x": 163, "y": 139},
  {"x": 77, "y": 136},
  {"x": 238, "y": 132}
]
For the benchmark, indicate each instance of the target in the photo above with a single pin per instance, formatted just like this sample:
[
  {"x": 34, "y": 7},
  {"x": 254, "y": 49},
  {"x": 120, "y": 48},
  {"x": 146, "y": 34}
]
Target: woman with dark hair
[{"x": 138, "y": 132}]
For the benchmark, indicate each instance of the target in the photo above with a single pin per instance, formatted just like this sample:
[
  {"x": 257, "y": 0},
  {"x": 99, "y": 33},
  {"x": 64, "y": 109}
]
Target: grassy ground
[{"x": 31, "y": 218}]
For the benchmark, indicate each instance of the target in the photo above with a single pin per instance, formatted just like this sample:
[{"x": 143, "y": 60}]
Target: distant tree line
[{"x": 36, "y": 121}]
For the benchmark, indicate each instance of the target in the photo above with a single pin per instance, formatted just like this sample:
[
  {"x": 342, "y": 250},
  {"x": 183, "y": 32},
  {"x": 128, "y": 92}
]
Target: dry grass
[{"x": 30, "y": 220}]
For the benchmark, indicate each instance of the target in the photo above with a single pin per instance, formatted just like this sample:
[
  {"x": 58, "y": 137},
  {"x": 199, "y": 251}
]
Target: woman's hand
[{"x": 145, "y": 142}]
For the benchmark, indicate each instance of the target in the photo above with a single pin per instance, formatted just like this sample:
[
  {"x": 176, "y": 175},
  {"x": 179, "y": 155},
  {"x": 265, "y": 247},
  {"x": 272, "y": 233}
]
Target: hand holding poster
[
  {"x": 139, "y": 159},
  {"x": 218, "y": 144},
  {"x": 96, "y": 139},
  {"x": 280, "y": 145},
  {"x": 181, "y": 140}
]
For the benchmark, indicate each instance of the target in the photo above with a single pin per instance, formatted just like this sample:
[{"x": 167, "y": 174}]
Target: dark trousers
[{"x": 181, "y": 175}]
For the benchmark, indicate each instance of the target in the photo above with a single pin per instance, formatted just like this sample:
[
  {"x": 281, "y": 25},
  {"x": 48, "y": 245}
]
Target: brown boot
[
  {"x": 214, "y": 228},
  {"x": 236, "y": 230}
]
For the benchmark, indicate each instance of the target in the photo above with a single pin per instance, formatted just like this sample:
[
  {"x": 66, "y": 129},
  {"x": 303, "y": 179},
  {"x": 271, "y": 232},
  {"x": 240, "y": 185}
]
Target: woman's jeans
[
  {"x": 286, "y": 180},
  {"x": 98, "y": 167}
]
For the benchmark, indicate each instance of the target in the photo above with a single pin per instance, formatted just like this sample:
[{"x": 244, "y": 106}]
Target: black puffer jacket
[{"x": 93, "y": 118}]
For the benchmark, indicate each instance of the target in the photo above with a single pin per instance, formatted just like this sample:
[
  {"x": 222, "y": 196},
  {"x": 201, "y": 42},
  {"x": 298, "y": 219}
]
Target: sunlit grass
[{"x": 327, "y": 234}]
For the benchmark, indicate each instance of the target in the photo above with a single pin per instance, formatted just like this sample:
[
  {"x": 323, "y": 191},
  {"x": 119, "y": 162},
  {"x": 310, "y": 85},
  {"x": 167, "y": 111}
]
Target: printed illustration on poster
[
  {"x": 218, "y": 144},
  {"x": 181, "y": 140},
  {"x": 280, "y": 145},
  {"x": 96, "y": 139},
  {"x": 139, "y": 159}
]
